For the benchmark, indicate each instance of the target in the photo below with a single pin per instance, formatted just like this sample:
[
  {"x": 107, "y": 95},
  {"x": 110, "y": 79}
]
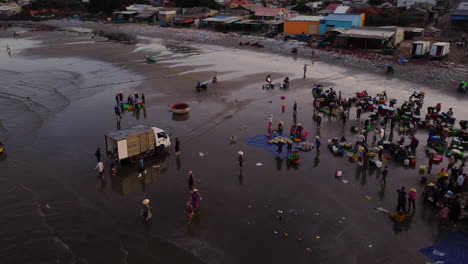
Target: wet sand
[{"x": 58, "y": 211}]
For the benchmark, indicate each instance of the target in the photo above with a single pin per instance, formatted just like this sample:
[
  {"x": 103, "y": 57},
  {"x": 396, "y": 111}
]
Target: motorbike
[
  {"x": 463, "y": 124},
  {"x": 390, "y": 68},
  {"x": 285, "y": 83},
  {"x": 463, "y": 87},
  {"x": 202, "y": 85}
]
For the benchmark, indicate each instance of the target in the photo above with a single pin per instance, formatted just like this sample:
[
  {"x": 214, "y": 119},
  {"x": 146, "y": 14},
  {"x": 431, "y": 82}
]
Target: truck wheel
[{"x": 159, "y": 148}]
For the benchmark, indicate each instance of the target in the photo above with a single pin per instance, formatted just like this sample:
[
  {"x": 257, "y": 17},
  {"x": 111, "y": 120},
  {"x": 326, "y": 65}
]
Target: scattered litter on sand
[
  {"x": 367, "y": 197},
  {"x": 259, "y": 164}
]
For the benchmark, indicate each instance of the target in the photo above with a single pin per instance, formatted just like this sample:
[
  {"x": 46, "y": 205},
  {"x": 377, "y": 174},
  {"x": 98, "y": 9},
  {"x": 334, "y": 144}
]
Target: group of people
[{"x": 132, "y": 100}]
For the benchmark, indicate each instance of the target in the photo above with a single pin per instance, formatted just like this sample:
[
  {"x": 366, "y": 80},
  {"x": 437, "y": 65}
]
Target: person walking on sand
[
  {"x": 344, "y": 117},
  {"x": 190, "y": 180},
  {"x": 289, "y": 147},
  {"x": 412, "y": 199},
  {"x": 383, "y": 180},
  {"x": 120, "y": 96},
  {"x": 143, "y": 98},
  {"x": 100, "y": 169},
  {"x": 117, "y": 111},
  {"x": 451, "y": 163},
  {"x": 280, "y": 148},
  {"x": 98, "y": 154},
  {"x": 317, "y": 143},
  {"x": 305, "y": 70},
  {"x": 401, "y": 205},
  {"x": 319, "y": 121},
  {"x": 358, "y": 112},
  {"x": 317, "y": 105},
  {"x": 270, "y": 122},
  {"x": 146, "y": 214},
  {"x": 141, "y": 167},
  {"x": 240, "y": 158},
  {"x": 177, "y": 146},
  {"x": 295, "y": 107},
  {"x": 196, "y": 197},
  {"x": 189, "y": 212}
]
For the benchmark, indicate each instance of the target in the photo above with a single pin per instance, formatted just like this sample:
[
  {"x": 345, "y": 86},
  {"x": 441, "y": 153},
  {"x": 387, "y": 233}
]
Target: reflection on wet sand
[{"x": 126, "y": 181}]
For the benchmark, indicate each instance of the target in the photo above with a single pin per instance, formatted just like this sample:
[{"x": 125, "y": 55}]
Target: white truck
[{"x": 136, "y": 141}]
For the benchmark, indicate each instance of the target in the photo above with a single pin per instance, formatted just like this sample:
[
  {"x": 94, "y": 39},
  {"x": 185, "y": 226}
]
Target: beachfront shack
[
  {"x": 340, "y": 21},
  {"x": 124, "y": 16},
  {"x": 302, "y": 25},
  {"x": 166, "y": 15},
  {"x": 370, "y": 38},
  {"x": 223, "y": 23}
]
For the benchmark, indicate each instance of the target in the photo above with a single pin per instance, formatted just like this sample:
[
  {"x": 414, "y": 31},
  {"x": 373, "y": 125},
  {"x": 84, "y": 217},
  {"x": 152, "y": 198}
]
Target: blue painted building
[{"x": 340, "y": 21}]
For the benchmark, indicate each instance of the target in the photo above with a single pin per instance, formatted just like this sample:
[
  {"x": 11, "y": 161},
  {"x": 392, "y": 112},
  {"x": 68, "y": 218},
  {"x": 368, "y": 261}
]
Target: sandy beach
[
  {"x": 427, "y": 72},
  {"x": 56, "y": 103}
]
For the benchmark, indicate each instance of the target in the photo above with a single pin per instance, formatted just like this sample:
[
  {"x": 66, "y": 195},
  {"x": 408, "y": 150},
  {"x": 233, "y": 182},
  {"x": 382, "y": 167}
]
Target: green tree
[
  {"x": 375, "y": 2},
  {"x": 194, "y": 3},
  {"x": 302, "y": 8},
  {"x": 107, "y": 6}
]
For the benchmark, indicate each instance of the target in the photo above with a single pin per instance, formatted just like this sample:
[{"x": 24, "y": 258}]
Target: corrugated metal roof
[
  {"x": 332, "y": 7},
  {"x": 369, "y": 33},
  {"x": 306, "y": 18},
  {"x": 341, "y": 10},
  {"x": 121, "y": 134},
  {"x": 126, "y": 12},
  {"x": 441, "y": 44},
  {"x": 340, "y": 17}
]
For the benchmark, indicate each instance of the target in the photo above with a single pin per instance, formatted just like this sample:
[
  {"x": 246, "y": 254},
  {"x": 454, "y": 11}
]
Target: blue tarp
[
  {"x": 454, "y": 247},
  {"x": 261, "y": 143}
]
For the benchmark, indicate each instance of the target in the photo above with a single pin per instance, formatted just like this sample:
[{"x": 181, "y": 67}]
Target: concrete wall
[
  {"x": 399, "y": 35},
  {"x": 336, "y": 24}
]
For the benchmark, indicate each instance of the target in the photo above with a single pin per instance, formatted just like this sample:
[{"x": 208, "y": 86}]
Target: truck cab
[{"x": 162, "y": 139}]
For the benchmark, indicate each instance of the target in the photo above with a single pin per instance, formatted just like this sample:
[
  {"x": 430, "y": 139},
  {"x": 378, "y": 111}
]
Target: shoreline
[{"x": 432, "y": 73}]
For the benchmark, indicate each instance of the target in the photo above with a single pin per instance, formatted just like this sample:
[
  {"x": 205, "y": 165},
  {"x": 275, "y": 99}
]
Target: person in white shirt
[
  {"x": 460, "y": 182},
  {"x": 100, "y": 169}
]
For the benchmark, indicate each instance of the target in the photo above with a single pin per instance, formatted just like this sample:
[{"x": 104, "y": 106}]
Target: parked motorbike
[{"x": 463, "y": 87}]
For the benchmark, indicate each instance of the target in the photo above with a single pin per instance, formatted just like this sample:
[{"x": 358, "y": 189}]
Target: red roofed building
[
  {"x": 332, "y": 7},
  {"x": 265, "y": 13},
  {"x": 329, "y": 9},
  {"x": 236, "y": 3}
]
